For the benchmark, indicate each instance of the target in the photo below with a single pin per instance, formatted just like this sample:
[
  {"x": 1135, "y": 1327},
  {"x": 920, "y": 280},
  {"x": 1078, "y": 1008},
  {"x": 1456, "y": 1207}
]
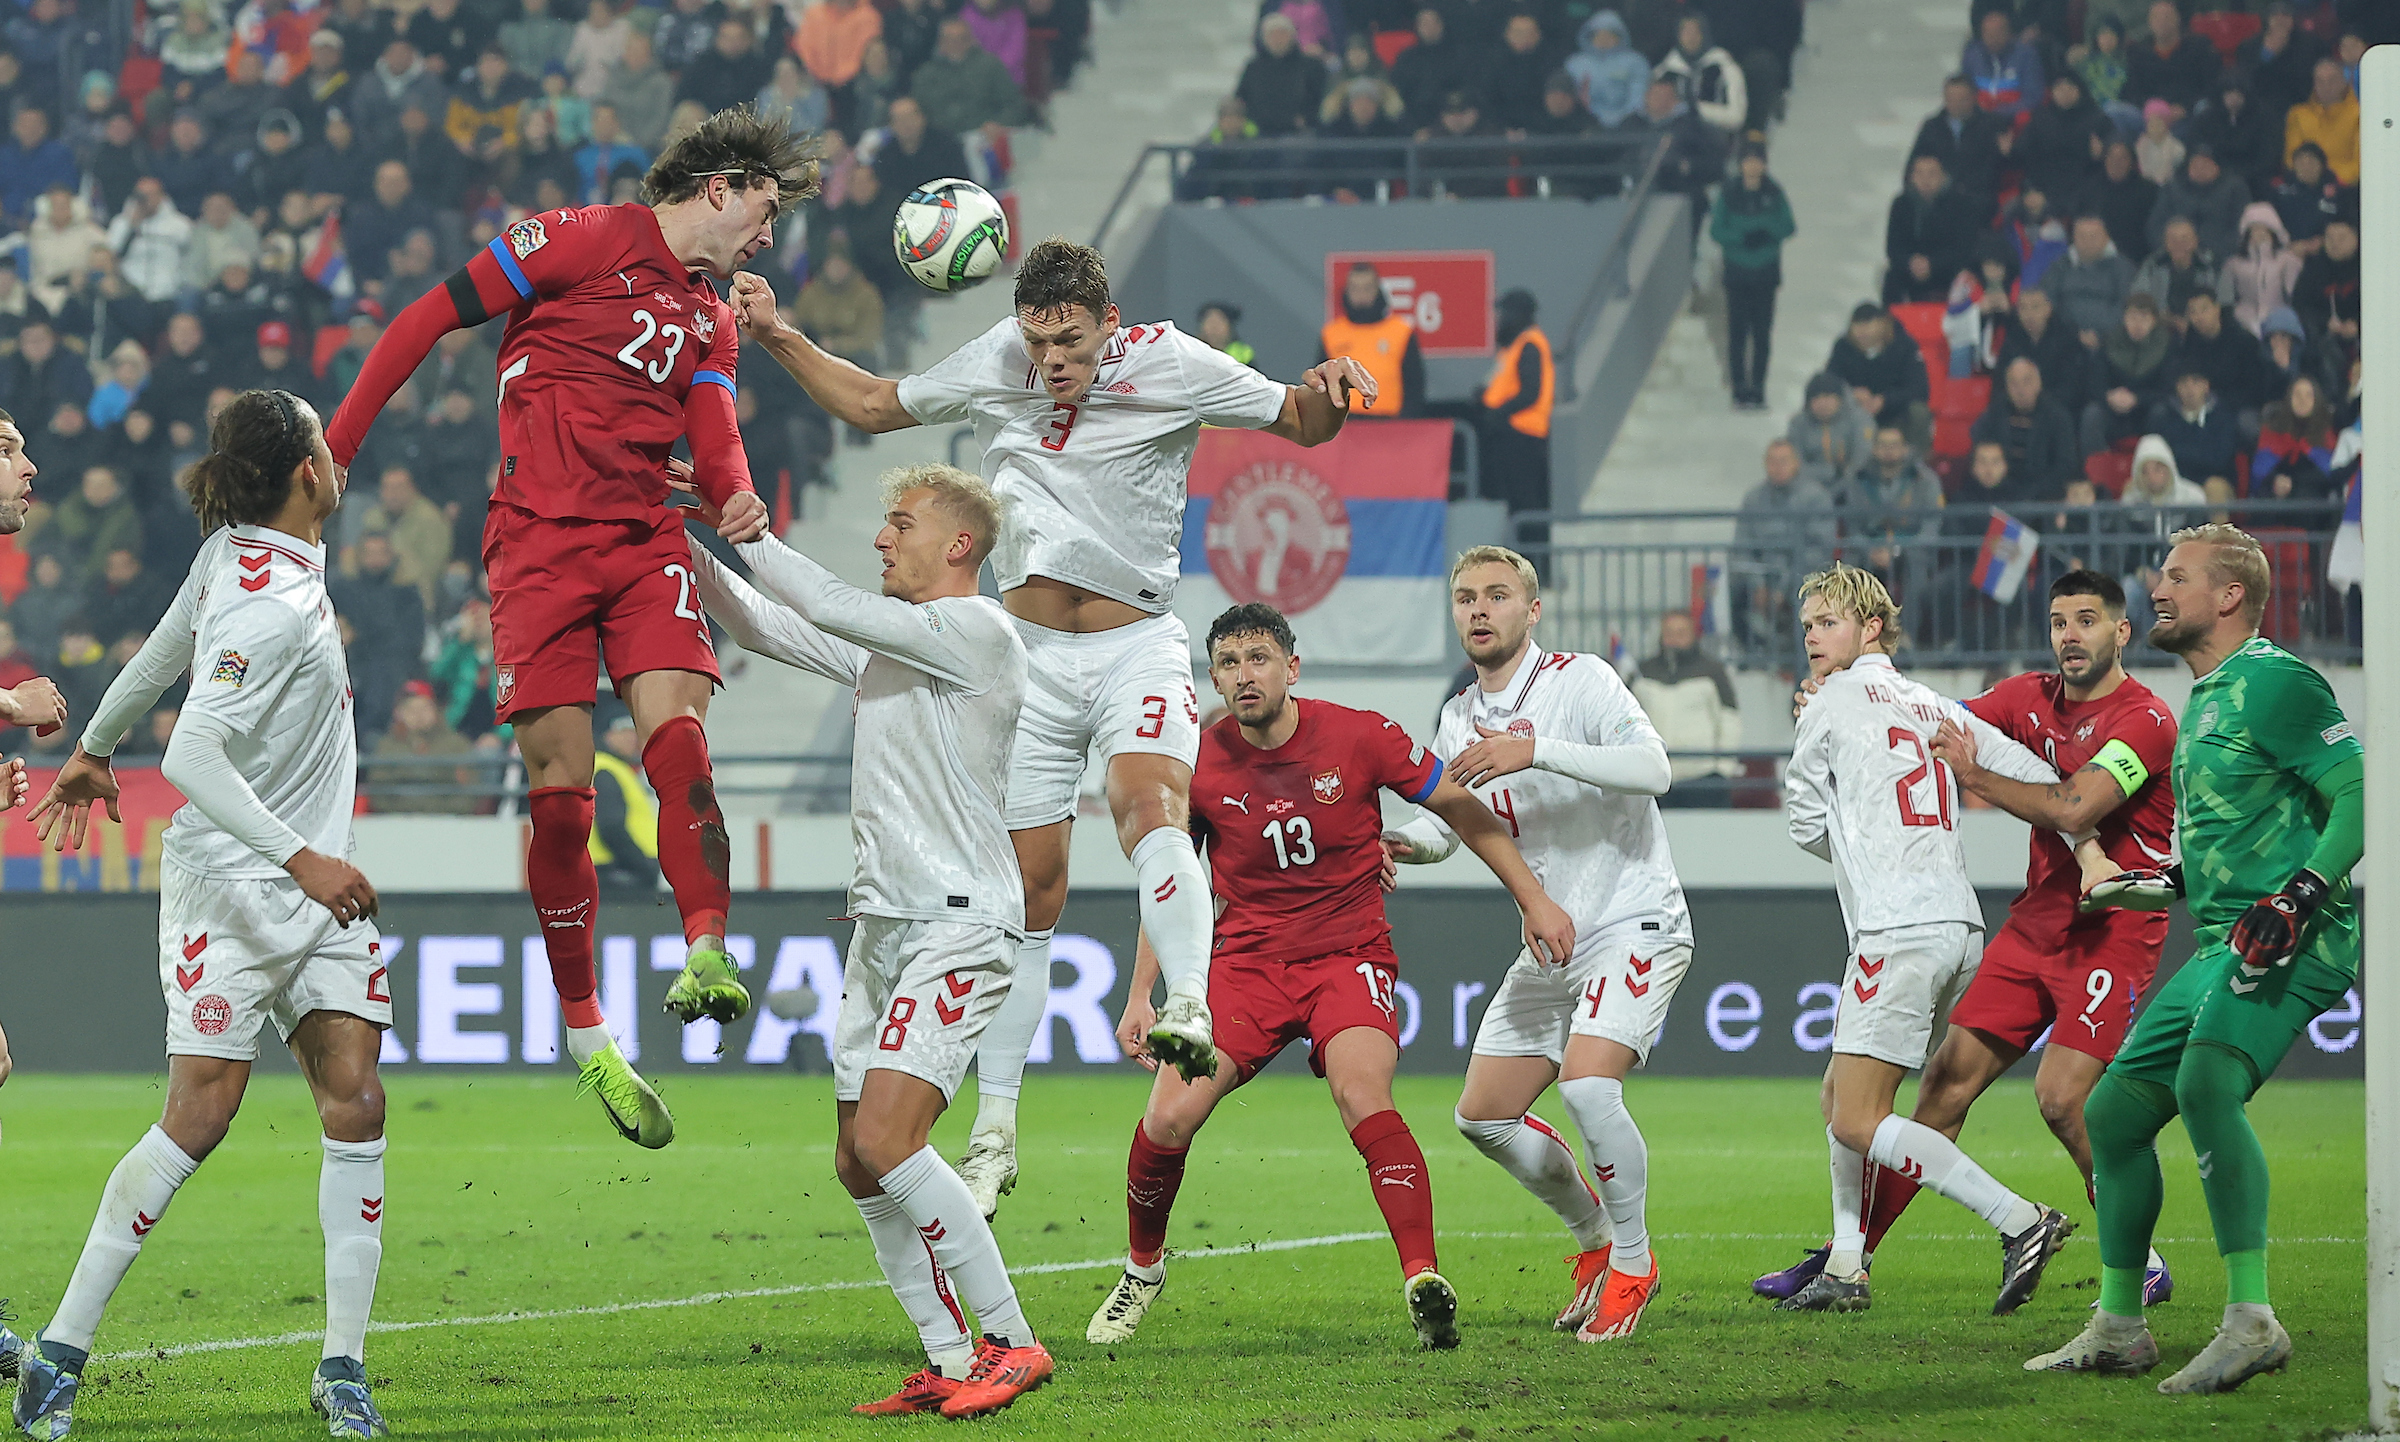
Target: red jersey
[
  {"x": 608, "y": 337},
  {"x": 1294, "y": 835},
  {"x": 2136, "y": 731}
]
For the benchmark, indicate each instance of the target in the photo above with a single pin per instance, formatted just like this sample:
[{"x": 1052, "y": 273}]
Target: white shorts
[
  {"x": 1616, "y": 986},
  {"x": 234, "y": 953},
  {"x": 1899, "y": 988},
  {"x": 916, "y": 996},
  {"x": 1124, "y": 690}
]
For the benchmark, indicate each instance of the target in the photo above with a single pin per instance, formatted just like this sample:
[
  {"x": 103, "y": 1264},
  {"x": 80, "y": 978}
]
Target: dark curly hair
[
  {"x": 1059, "y": 273},
  {"x": 258, "y": 440},
  {"x": 748, "y": 147},
  {"x": 1253, "y": 618}
]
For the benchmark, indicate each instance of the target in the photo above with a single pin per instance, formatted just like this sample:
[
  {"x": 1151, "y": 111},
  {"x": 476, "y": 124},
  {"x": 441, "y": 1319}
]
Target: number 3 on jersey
[
  {"x": 1062, "y": 424},
  {"x": 657, "y": 370}
]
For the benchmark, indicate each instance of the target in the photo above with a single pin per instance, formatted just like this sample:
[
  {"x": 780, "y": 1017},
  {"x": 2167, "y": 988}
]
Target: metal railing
[
  {"x": 1581, "y": 167},
  {"x": 485, "y": 783},
  {"x": 1606, "y": 584}
]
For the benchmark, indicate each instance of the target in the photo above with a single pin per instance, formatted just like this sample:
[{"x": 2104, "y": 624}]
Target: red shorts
[
  {"x": 566, "y": 593},
  {"x": 1261, "y": 1007},
  {"x": 2084, "y": 989}
]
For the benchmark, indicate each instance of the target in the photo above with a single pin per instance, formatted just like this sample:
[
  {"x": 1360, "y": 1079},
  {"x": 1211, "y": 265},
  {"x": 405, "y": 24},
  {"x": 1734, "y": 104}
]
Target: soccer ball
[{"x": 950, "y": 234}]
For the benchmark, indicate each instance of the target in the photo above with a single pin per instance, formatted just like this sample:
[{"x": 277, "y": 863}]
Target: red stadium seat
[
  {"x": 1957, "y": 406},
  {"x": 2225, "y": 29},
  {"x": 2108, "y": 470},
  {"x": 13, "y": 565},
  {"x": 1389, "y": 44},
  {"x": 2288, "y": 564},
  {"x": 1923, "y": 321},
  {"x": 330, "y": 338}
]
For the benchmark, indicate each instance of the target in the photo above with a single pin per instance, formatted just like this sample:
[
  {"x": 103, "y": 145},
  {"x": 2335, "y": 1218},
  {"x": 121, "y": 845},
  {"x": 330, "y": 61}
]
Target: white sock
[
  {"x": 1153, "y": 1272},
  {"x": 1916, "y": 1150},
  {"x": 945, "y": 1214},
  {"x": 920, "y": 1284},
  {"x": 350, "y": 1209},
  {"x": 1000, "y": 1059},
  {"x": 1620, "y": 1162},
  {"x": 130, "y": 1205},
  {"x": 1528, "y": 1149},
  {"x": 586, "y": 1042},
  {"x": 1176, "y": 909},
  {"x": 1849, "y": 1208}
]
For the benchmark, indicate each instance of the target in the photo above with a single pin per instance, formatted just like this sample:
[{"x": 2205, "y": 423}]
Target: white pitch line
[
  {"x": 293, "y": 1339},
  {"x": 1038, "y": 1269}
]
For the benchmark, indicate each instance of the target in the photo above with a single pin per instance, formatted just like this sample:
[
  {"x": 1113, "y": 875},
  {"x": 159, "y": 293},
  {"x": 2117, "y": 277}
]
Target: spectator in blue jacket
[
  {"x": 30, "y": 163},
  {"x": 608, "y": 148},
  {"x": 1609, "y": 73},
  {"x": 2007, "y": 71},
  {"x": 2199, "y": 428}
]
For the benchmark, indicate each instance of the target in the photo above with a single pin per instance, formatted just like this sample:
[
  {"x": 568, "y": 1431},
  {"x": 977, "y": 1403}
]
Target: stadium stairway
[
  {"x": 1156, "y": 71},
  {"x": 1869, "y": 74}
]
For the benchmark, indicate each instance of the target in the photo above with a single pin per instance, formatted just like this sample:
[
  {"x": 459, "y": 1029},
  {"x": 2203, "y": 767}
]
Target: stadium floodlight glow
[{"x": 2379, "y": 873}]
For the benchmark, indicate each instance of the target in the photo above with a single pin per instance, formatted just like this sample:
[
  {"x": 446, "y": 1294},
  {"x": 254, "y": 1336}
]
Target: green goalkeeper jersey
[{"x": 2258, "y": 733}]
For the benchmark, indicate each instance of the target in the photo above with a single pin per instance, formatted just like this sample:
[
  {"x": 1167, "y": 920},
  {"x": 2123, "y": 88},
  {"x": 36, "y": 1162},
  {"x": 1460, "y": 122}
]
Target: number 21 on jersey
[{"x": 1910, "y": 745}]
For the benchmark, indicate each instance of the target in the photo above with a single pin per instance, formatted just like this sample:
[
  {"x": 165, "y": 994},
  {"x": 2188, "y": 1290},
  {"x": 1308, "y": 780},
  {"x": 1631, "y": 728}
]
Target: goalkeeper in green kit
[{"x": 2271, "y": 788}]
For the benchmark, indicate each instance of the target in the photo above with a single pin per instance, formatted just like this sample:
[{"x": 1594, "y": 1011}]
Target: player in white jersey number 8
[{"x": 1088, "y": 429}]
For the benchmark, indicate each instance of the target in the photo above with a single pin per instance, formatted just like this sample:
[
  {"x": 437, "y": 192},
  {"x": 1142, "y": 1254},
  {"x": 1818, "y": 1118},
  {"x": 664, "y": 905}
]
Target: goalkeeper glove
[
  {"x": 2269, "y": 932},
  {"x": 2148, "y": 890}
]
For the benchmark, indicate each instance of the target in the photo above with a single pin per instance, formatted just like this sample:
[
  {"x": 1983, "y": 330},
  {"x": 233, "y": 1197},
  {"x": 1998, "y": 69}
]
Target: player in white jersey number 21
[
  {"x": 261, "y": 916},
  {"x": 1864, "y": 791},
  {"x": 1555, "y": 744},
  {"x": 1087, "y": 429}
]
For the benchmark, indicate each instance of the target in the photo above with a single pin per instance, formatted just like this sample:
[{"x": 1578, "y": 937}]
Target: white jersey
[
  {"x": 1600, "y": 854},
  {"x": 254, "y": 627},
  {"x": 1096, "y": 487},
  {"x": 939, "y": 687},
  {"x": 1864, "y": 791}
]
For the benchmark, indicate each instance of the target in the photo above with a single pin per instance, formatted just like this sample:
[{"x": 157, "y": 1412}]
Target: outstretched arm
[
  {"x": 475, "y": 293},
  {"x": 760, "y": 625},
  {"x": 1313, "y": 411},
  {"x": 846, "y": 391},
  {"x": 886, "y": 625}
]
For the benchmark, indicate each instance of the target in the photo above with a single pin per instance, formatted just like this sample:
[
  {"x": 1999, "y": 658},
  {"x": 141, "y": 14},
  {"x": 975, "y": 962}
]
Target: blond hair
[
  {"x": 1849, "y": 591},
  {"x": 1474, "y": 556},
  {"x": 960, "y": 495},
  {"x": 2234, "y": 558}
]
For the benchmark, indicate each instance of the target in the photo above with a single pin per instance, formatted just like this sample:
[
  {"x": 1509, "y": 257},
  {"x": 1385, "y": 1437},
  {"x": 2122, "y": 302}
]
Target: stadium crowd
[
  {"x": 2120, "y": 296},
  {"x": 198, "y": 196}
]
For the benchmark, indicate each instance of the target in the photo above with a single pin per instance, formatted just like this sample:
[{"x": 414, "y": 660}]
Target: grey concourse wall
[
  {"x": 81, "y": 992},
  {"x": 1269, "y": 258}
]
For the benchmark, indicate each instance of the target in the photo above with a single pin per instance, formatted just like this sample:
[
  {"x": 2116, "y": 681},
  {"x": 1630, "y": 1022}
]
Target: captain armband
[{"x": 2119, "y": 761}]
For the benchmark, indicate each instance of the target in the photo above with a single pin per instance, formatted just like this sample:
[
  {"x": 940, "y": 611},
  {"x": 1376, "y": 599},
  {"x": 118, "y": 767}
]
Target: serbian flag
[
  {"x": 1346, "y": 539},
  {"x": 325, "y": 265},
  {"x": 2009, "y": 547}
]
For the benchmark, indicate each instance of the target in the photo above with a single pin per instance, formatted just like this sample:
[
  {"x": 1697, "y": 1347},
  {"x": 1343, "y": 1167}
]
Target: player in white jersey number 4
[
  {"x": 261, "y": 916},
  {"x": 1087, "y": 429},
  {"x": 1864, "y": 791},
  {"x": 1558, "y": 748}
]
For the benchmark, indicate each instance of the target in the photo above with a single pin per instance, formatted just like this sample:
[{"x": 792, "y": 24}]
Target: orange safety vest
[
  {"x": 1534, "y": 420},
  {"x": 1378, "y": 347}
]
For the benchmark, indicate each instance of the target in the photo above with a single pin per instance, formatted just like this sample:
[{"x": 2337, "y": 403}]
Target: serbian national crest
[
  {"x": 504, "y": 684},
  {"x": 1279, "y": 534},
  {"x": 1327, "y": 785},
  {"x": 704, "y": 324}
]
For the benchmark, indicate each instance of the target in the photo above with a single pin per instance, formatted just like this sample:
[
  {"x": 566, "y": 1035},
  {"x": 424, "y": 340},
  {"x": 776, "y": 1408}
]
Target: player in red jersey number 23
[
  {"x": 617, "y": 345},
  {"x": 1284, "y": 799}
]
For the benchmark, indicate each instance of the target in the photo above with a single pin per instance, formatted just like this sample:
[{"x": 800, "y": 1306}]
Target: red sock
[
  {"x": 1152, "y": 1176},
  {"x": 1396, "y": 1169},
  {"x": 558, "y": 871},
  {"x": 693, "y": 849},
  {"x": 1888, "y": 1195}
]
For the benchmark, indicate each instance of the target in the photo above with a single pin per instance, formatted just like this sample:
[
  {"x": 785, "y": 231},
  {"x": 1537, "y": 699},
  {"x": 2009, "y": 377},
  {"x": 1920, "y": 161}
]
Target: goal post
[{"x": 2379, "y": 873}]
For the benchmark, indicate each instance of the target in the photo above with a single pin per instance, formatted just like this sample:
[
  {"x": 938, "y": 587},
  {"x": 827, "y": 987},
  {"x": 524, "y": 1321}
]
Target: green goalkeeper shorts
[{"x": 2212, "y": 999}]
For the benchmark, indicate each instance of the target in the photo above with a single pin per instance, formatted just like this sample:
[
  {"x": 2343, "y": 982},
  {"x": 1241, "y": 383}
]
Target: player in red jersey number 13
[
  {"x": 617, "y": 346},
  {"x": 1284, "y": 799}
]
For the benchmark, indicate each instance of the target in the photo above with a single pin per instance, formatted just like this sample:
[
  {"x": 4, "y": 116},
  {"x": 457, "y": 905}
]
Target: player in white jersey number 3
[
  {"x": 261, "y": 916},
  {"x": 1087, "y": 429},
  {"x": 940, "y": 677},
  {"x": 1558, "y": 748},
  {"x": 1864, "y": 791}
]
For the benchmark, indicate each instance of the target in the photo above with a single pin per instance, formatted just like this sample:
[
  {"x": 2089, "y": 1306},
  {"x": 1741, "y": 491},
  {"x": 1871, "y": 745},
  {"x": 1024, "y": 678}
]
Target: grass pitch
[{"x": 510, "y": 1196}]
